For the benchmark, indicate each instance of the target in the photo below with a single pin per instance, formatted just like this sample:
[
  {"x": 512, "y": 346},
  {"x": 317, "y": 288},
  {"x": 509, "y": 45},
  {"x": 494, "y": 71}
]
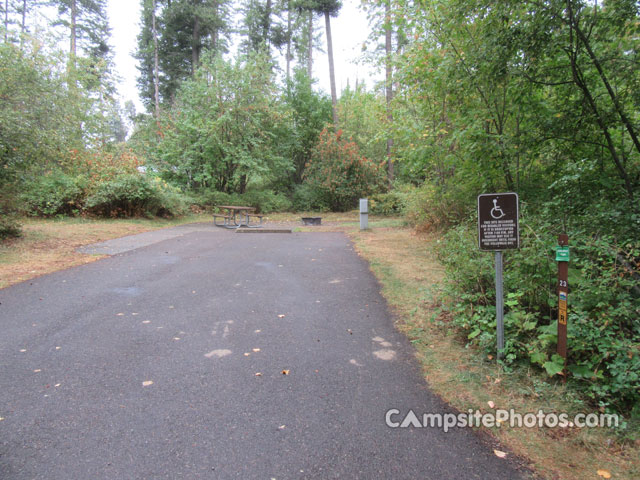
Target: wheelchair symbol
[{"x": 496, "y": 211}]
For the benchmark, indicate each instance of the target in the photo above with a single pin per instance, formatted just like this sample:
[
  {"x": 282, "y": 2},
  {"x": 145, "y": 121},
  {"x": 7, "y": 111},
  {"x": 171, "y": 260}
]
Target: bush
[
  {"x": 263, "y": 201},
  {"x": 339, "y": 174},
  {"x": 434, "y": 208},
  {"x": 9, "y": 227},
  {"x": 135, "y": 195},
  {"x": 604, "y": 307},
  {"x": 392, "y": 203},
  {"x": 308, "y": 199},
  {"x": 54, "y": 194}
]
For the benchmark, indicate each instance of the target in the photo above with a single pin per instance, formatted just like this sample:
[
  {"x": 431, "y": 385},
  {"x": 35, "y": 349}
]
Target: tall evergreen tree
[
  {"x": 184, "y": 29},
  {"x": 330, "y": 8}
]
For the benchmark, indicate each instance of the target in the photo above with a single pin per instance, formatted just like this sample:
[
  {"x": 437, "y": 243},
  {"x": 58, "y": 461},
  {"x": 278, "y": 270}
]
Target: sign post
[
  {"x": 562, "y": 257},
  {"x": 498, "y": 230}
]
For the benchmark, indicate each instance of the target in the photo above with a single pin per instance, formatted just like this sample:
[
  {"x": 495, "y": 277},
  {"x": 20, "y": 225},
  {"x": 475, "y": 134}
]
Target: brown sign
[
  {"x": 563, "y": 292},
  {"x": 498, "y": 221}
]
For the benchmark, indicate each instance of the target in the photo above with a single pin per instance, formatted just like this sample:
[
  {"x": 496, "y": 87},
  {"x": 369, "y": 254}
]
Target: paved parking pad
[{"x": 214, "y": 355}]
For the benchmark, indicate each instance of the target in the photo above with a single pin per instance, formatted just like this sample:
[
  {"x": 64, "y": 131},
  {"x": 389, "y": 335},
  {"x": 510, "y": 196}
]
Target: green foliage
[
  {"x": 391, "y": 203},
  {"x": 339, "y": 174},
  {"x": 309, "y": 113},
  {"x": 432, "y": 207},
  {"x": 604, "y": 303},
  {"x": 54, "y": 194},
  {"x": 223, "y": 134},
  {"x": 9, "y": 226},
  {"x": 264, "y": 201},
  {"x": 135, "y": 195},
  {"x": 306, "y": 198},
  {"x": 363, "y": 118}
]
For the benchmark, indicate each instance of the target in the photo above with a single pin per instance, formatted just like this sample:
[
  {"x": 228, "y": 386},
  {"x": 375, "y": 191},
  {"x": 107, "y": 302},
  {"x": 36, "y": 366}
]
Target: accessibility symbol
[{"x": 496, "y": 211}]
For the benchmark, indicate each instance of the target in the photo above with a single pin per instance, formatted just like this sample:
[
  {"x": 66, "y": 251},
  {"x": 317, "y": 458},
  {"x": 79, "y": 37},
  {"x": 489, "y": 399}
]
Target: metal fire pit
[{"x": 312, "y": 220}]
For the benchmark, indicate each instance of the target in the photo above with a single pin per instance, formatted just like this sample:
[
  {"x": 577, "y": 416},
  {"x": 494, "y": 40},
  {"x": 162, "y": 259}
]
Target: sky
[{"x": 349, "y": 31}]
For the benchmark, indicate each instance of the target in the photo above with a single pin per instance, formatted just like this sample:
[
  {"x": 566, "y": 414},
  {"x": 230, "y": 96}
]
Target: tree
[
  {"x": 184, "y": 30},
  {"x": 310, "y": 113},
  {"x": 222, "y": 131},
  {"x": 330, "y": 8},
  {"x": 88, "y": 28}
]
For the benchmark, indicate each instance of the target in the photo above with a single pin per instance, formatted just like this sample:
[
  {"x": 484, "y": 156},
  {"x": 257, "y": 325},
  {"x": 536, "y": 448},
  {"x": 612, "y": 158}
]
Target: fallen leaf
[
  {"x": 350, "y": 331},
  {"x": 258, "y": 374},
  {"x": 171, "y": 306},
  {"x": 497, "y": 380},
  {"x": 1, "y": 419},
  {"x": 23, "y": 350},
  {"x": 490, "y": 357},
  {"x": 500, "y": 454},
  {"x": 120, "y": 314},
  {"x": 58, "y": 348},
  {"x": 280, "y": 316},
  {"x": 146, "y": 321},
  {"x": 491, "y": 404},
  {"x": 37, "y": 370},
  {"x": 146, "y": 383},
  {"x": 246, "y": 354},
  {"x": 257, "y": 331},
  {"x": 256, "y": 349},
  {"x": 285, "y": 372},
  {"x": 176, "y": 338},
  {"x": 604, "y": 473},
  {"x": 281, "y": 427},
  {"x": 57, "y": 385},
  {"x": 133, "y": 313}
]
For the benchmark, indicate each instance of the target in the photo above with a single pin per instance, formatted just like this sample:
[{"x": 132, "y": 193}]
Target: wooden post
[{"x": 563, "y": 293}]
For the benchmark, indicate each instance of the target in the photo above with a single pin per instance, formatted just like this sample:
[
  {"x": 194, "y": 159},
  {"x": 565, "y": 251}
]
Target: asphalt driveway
[{"x": 210, "y": 354}]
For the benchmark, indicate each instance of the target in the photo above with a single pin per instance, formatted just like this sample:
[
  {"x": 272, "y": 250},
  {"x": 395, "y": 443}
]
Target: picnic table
[{"x": 237, "y": 216}]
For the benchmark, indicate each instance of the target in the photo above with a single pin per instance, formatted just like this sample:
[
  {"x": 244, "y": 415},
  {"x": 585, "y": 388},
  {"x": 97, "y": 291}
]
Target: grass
[
  {"x": 48, "y": 245},
  {"x": 405, "y": 264}
]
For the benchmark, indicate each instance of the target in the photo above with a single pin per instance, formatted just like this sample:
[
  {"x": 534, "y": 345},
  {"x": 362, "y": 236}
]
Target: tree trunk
[
  {"x": 215, "y": 34},
  {"x": 288, "y": 41},
  {"x": 6, "y": 21},
  {"x": 156, "y": 87},
  {"x": 72, "y": 40},
  {"x": 332, "y": 76},
  {"x": 195, "y": 46},
  {"x": 389, "y": 89},
  {"x": 266, "y": 27},
  {"x": 310, "y": 46}
]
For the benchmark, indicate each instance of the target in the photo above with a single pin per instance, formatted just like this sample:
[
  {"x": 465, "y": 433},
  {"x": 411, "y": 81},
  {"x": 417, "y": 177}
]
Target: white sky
[{"x": 349, "y": 30}]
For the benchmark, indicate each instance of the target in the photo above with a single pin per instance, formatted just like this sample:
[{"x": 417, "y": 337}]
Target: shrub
[
  {"x": 135, "y": 195},
  {"x": 339, "y": 174},
  {"x": 54, "y": 194},
  {"x": 391, "y": 203},
  {"x": 307, "y": 199},
  {"x": 434, "y": 208},
  {"x": 9, "y": 226},
  {"x": 604, "y": 306},
  {"x": 264, "y": 201}
]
